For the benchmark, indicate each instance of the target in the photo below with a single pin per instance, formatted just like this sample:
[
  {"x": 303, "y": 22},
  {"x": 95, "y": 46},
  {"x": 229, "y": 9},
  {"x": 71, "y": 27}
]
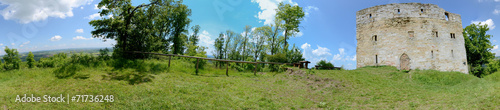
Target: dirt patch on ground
[{"x": 314, "y": 82}]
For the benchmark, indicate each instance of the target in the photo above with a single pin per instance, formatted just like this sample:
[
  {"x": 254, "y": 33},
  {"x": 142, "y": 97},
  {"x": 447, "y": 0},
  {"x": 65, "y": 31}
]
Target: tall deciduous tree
[
  {"x": 290, "y": 16},
  {"x": 273, "y": 41},
  {"x": 180, "y": 24},
  {"x": 248, "y": 29},
  {"x": 229, "y": 36},
  {"x": 219, "y": 48},
  {"x": 195, "y": 37},
  {"x": 478, "y": 48},
  {"x": 146, "y": 27},
  {"x": 259, "y": 37}
]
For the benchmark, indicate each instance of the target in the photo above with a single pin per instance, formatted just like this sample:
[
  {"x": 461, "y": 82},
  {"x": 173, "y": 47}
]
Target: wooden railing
[{"x": 212, "y": 59}]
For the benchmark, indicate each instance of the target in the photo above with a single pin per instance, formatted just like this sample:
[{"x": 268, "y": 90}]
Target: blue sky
[{"x": 328, "y": 31}]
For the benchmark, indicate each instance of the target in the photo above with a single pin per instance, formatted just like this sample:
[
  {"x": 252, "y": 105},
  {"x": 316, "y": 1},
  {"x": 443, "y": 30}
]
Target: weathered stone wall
[{"x": 411, "y": 31}]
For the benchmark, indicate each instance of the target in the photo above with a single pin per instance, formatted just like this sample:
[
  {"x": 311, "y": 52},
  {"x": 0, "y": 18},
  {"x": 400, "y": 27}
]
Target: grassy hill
[{"x": 179, "y": 88}]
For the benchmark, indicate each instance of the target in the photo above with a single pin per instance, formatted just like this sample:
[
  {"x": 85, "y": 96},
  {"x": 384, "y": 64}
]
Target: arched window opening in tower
[
  {"x": 432, "y": 54},
  {"x": 370, "y": 15},
  {"x": 399, "y": 12},
  {"x": 447, "y": 16},
  {"x": 374, "y": 38}
]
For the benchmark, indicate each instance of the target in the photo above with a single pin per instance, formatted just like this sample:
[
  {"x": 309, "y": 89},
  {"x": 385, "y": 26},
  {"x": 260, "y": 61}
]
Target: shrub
[
  {"x": 324, "y": 65},
  {"x": 12, "y": 59},
  {"x": 31, "y": 60},
  {"x": 279, "y": 57},
  {"x": 103, "y": 54},
  {"x": 68, "y": 70},
  {"x": 57, "y": 60}
]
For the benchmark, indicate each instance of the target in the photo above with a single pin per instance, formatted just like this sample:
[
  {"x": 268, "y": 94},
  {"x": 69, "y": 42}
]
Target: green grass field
[{"x": 179, "y": 88}]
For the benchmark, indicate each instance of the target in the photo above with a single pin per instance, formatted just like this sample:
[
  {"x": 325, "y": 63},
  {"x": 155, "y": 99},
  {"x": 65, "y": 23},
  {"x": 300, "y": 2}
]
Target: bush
[
  {"x": 68, "y": 70},
  {"x": 57, "y": 60},
  {"x": 103, "y": 54},
  {"x": 279, "y": 57},
  {"x": 324, "y": 65},
  {"x": 12, "y": 59},
  {"x": 31, "y": 60},
  {"x": 86, "y": 60}
]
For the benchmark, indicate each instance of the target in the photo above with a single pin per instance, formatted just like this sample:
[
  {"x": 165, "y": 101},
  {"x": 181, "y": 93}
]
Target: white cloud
[
  {"x": 495, "y": 47},
  {"x": 268, "y": 9},
  {"x": 299, "y": 34},
  {"x": 26, "y": 43},
  {"x": 81, "y": 7},
  {"x": 26, "y": 11},
  {"x": 206, "y": 41},
  {"x": 56, "y": 38},
  {"x": 97, "y": 8},
  {"x": 308, "y": 10},
  {"x": 496, "y": 11},
  {"x": 489, "y": 22},
  {"x": 315, "y": 55},
  {"x": 12, "y": 44},
  {"x": 93, "y": 16},
  {"x": 96, "y": 16},
  {"x": 321, "y": 52},
  {"x": 81, "y": 38},
  {"x": 1, "y": 44},
  {"x": 79, "y": 30},
  {"x": 342, "y": 56}
]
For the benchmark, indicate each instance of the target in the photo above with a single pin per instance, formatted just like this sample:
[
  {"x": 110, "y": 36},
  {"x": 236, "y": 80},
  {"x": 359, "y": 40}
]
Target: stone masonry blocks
[{"x": 410, "y": 36}]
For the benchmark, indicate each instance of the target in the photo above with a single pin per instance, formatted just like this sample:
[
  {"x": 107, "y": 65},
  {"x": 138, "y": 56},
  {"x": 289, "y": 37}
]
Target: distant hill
[{"x": 48, "y": 53}]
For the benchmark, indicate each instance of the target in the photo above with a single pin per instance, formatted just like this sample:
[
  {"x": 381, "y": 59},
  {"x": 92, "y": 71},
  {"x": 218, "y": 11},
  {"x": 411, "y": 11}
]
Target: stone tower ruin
[{"x": 410, "y": 36}]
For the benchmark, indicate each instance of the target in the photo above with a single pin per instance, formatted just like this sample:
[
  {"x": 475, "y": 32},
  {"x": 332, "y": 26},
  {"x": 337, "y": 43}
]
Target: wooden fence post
[
  {"x": 255, "y": 69},
  {"x": 227, "y": 68},
  {"x": 197, "y": 63},
  {"x": 169, "y": 58}
]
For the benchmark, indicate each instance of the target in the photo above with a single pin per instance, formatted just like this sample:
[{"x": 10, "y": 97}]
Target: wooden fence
[{"x": 212, "y": 59}]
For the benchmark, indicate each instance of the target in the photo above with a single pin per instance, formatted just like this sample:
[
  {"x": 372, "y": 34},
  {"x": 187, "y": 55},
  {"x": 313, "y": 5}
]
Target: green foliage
[
  {"x": 295, "y": 55},
  {"x": 77, "y": 62},
  {"x": 280, "y": 58},
  {"x": 492, "y": 66},
  {"x": 193, "y": 39},
  {"x": 324, "y": 64},
  {"x": 219, "y": 49},
  {"x": 56, "y": 60},
  {"x": 478, "y": 48},
  {"x": 290, "y": 18},
  {"x": 31, "y": 60},
  {"x": 199, "y": 51},
  {"x": 68, "y": 70},
  {"x": 12, "y": 59},
  {"x": 147, "y": 27},
  {"x": 104, "y": 54}
]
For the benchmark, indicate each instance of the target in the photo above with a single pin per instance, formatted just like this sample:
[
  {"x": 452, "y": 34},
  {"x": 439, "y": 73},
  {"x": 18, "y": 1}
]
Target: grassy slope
[{"x": 179, "y": 88}]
